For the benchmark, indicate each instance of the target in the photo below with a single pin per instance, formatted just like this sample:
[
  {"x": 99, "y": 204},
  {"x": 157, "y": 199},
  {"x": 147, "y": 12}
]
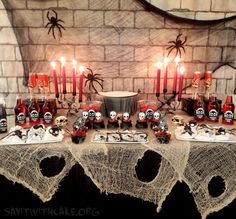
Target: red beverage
[
  {"x": 34, "y": 112},
  {"x": 20, "y": 112},
  {"x": 48, "y": 112},
  {"x": 32, "y": 80},
  {"x": 213, "y": 109},
  {"x": 199, "y": 109},
  {"x": 228, "y": 111}
]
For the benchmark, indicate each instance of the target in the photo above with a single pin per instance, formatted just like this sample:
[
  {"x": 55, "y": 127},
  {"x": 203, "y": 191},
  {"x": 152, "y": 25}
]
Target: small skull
[
  {"x": 163, "y": 125},
  {"x": 126, "y": 116},
  {"x": 91, "y": 114},
  {"x": 112, "y": 114},
  {"x": 141, "y": 116},
  {"x": 85, "y": 115},
  {"x": 149, "y": 114},
  {"x": 157, "y": 115},
  {"x": 177, "y": 120},
  {"x": 61, "y": 121},
  {"x": 98, "y": 116}
]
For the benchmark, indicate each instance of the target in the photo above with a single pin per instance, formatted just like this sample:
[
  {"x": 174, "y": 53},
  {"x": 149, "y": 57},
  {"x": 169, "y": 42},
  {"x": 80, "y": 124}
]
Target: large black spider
[
  {"x": 178, "y": 44},
  {"x": 91, "y": 78},
  {"x": 54, "y": 22}
]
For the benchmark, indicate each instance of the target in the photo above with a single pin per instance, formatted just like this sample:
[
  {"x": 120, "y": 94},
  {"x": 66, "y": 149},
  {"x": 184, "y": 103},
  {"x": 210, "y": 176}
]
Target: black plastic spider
[
  {"x": 91, "y": 78},
  {"x": 177, "y": 45},
  {"x": 54, "y": 22}
]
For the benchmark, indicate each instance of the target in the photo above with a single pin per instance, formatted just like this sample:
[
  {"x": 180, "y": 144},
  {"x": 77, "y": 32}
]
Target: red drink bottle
[
  {"x": 199, "y": 109},
  {"x": 228, "y": 111},
  {"x": 213, "y": 109},
  {"x": 20, "y": 112},
  {"x": 34, "y": 112},
  {"x": 47, "y": 112}
]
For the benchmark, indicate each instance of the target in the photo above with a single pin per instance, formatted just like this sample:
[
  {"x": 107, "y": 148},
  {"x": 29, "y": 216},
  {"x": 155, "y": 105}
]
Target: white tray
[
  {"x": 29, "y": 143},
  {"x": 118, "y": 142},
  {"x": 232, "y": 139}
]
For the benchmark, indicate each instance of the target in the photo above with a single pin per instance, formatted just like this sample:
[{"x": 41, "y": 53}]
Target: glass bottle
[
  {"x": 20, "y": 112},
  {"x": 213, "y": 109},
  {"x": 228, "y": 111},
  {"x": 199, "y": 109},
  {"x": 34, "y": 112},
  {"x": 3, "y": 117},
  {"x": 47, "y": 111}
]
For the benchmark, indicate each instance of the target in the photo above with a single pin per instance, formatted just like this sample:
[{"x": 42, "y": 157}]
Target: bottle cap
[{"x": 229, "y": 99}]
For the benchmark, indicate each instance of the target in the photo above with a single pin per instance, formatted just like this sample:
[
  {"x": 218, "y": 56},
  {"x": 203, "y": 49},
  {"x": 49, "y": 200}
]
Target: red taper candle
[
  {"x": 63, "y": 75},
  {"x": 74, "y": 77},
  {"x": 181, "y": 82},
  {"x": 81, "y": 79},
  {"x": 177, "y": 60},
  {"x": 158, "y": 79},
  {"x": 55, "y": 79},
  {"x": 166, "y": 60}
]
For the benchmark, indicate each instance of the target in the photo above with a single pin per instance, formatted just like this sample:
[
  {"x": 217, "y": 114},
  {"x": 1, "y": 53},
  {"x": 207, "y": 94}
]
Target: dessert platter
[
  {"x": 112, "y": 137},
  {"x": 37, "y": 134},
  {"x": 205, "y": 133}
]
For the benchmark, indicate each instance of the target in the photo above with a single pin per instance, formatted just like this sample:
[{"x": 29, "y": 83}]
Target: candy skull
[
  {"x": 112, "y": 114},
  {"x": 98, "y": 116},
  {"x": 149, "y": 114},
  {"x": 141, "y": 116},
  {"x": 126, "y": 116},
  {"x": 61, "y": 121},
  {"x": 85, "y": 115},
  {"x": 157, "y": 115}
]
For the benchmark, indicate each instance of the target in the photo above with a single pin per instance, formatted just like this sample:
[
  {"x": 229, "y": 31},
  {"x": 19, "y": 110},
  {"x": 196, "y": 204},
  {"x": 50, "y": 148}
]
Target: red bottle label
[
  {"x": 48, "y": 118},
  {"x": 199, "y": 113},
  {"x": 34, "y": 116},
  {"x": 20, "y": 119},
  {"x": 213, "y": 115}
]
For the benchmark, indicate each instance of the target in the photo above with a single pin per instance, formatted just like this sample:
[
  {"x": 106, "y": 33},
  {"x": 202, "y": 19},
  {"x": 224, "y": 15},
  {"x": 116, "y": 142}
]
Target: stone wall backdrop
[{"x": 119, "y": 39}]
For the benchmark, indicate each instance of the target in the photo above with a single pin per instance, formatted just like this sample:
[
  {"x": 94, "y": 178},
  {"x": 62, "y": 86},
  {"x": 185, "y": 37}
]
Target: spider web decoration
[
  {"x": 92, "y": 78},
  {"x": 177, "y": 45},
  {"x": 54, "y": 22}
]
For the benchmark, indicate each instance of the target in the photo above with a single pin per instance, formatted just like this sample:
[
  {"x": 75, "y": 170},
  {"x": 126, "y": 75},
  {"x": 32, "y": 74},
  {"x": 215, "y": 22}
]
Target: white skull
[
  {"x": 126, "y": 116},
  {"x": 61, "y": 121},
  {"x": 141, "y": 116},
  {"x": 98, "y": 116},
  {"x": 85, "y": 115},
  {"x": 157, "y": 115},
  {"x": 112, "y": 114},
  {"x": 177, "y": 120}
]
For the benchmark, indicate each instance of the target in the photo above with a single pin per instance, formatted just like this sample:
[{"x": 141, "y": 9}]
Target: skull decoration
[
  {"x": 157, "y": 115},
  {"x": 85, "y": 115},
  {"x": 91, "y": 114},
  {"x": 126, "y": 116},
  {"x": 141, "y": 116},
  {"x": 149, "y": 114},
  {"x": 55, "y": 131},
  {"x": 61, "y": 121},
  {"x": 98, "y": 116},
  {"x": 113, "y": 115},
  {"x": 177, "y": 120}
]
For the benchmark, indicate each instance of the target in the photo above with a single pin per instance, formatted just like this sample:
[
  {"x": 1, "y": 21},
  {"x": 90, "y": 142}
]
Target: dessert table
[{"x": 112, "y": 168}]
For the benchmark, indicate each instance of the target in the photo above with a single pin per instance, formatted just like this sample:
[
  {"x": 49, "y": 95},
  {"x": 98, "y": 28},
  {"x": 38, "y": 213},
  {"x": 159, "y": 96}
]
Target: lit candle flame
[
  {"x": 53, "y": 64},
  {"x": 177, "y": 60},
  {"x": 166, "y": 60},
  {"x": 81, "y": 69},
  {"x": 181, "y": 69},
  {"x": 74, "y": 63},
  {"x": 63, "y": 61},
  {"x": 158, "y": 64}
]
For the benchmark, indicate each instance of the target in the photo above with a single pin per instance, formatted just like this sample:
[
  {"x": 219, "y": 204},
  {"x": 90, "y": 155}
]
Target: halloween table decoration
[
  {"x": 98, "y": 122},
  {"x": 85, "y": 116},
  {"x": 155, "y": 120},
  {"x": 126, "y": 122},
  {"x": 142, "y": 121},
  {"x": 163, "y": 135},
  {"x": 113, "y": 122},
  {"x": 149, "y": 114},
  {"x": 79, "y": 131}
]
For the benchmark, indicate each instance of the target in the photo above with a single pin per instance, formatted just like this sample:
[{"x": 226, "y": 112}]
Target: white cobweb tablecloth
[{"x": 112, "y": 168}]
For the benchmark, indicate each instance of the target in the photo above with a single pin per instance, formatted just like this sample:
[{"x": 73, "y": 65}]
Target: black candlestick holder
[
  {"x": 170, "y": 102},
  {"x": 69, "y": 103}
]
